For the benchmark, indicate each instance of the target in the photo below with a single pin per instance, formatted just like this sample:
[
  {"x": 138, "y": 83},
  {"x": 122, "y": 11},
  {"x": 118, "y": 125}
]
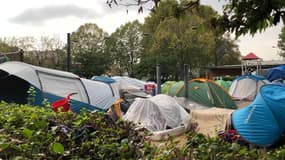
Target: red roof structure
[{"x": 250, "y": 56}]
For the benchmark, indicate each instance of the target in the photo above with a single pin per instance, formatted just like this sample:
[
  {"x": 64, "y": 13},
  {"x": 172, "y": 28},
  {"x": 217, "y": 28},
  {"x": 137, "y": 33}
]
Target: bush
[{"x": 38, "y": 133}]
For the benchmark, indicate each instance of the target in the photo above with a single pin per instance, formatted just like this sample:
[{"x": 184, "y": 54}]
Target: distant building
[{"x": 236, "y": 70}]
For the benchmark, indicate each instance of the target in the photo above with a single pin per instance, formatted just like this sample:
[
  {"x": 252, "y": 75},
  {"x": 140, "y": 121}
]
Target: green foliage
[
  {"x": 31, "y": 95},
  {"x": 174, "y": 41},
  {"x": 89, "y": 53},
  {"x": 4, "y": 47},
  {"x": 125, "y": 45},
  {"x": 281, "y": 43},
  {"x": 57, "y": 148},
  {"x": 38, "y": 133},
  {"x": 252, "y": 16},
  {"x": 227, "y": 51}
]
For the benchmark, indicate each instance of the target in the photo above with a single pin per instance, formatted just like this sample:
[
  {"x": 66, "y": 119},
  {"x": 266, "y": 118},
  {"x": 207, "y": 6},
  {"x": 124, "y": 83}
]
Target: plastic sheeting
[
  {"x": 158, "y": 113},
  {"x": 211, "y": 120},
  {"x": 129, "y": 83},
  {"x": 147, "y": 114},
  {"x": 188, "y": 104},
  {"x": 263, "y": 121},
  {"x": 174, "y": 114}
]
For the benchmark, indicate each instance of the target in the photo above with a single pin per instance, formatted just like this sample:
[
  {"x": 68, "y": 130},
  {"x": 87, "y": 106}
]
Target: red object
[
  {"x": 62, "y": 103},
  {"x": 250, "y": 56},
  {"x": 150, "y": 88}
]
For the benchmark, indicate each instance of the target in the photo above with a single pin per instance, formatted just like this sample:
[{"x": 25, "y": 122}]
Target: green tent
[
  {"x": 203, "y": 91},
  {"x": 225, "y": 84},
  {"x": 166, "y": 86}
]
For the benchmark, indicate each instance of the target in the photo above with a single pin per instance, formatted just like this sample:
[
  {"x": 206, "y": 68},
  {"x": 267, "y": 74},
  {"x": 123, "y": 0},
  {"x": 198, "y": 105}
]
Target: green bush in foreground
[{"x": 38, "y": 133}]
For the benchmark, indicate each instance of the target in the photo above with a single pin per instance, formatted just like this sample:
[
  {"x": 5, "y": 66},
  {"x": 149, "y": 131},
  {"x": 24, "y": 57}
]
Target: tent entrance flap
[{"x": 14, "y": 90}]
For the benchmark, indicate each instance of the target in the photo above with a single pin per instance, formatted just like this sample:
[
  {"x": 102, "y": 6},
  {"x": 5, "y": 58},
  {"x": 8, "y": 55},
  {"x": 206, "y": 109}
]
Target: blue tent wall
[
  {"x": 263, "y": 121},
  {"x": 276, "y": 73}
]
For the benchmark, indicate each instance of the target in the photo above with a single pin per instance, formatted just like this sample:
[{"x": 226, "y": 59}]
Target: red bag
[{"x": 62, "y": 103}]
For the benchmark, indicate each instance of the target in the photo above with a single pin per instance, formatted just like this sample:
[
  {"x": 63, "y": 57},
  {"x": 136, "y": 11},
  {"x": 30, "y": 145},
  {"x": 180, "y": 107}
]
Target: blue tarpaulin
[
  {"x": 276, "y": 73},
  {"x": 263, "y": 121}
]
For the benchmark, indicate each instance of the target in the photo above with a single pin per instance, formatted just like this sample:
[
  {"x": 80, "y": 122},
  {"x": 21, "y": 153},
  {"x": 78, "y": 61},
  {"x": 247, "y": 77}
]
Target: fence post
[
  {"x": 21, "y": 52},
  {"x": 68, "y": 58},
  {"x": 186, "y": 68},
  {"x": 158, "y": 80}
]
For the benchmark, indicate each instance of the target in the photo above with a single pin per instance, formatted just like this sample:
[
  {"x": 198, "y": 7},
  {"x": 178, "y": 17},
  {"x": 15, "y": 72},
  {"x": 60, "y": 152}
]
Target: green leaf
[
  {"x": 57, "y": 148},
  {"x": 41, "y": 124},
  {"x": 3, "y": 146},
  {"x": 27, "y": 132},
  {"x": 242, "y": 151}
]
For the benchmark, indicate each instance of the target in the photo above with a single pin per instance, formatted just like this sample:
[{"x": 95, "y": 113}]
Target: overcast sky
[{"x": 58, "y": 17}]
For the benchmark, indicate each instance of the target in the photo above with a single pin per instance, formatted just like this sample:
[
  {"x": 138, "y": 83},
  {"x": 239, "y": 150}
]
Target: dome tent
[
  {"x": 203, "y": 91},
  {"x": 225, "y": 84},
  {"x": 246, "y": 87},
  {"x": 263, "y": 121}
]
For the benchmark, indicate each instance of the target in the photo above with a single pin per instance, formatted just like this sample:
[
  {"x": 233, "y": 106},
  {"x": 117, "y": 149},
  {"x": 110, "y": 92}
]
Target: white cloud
[{"x": 37, "y": 16}]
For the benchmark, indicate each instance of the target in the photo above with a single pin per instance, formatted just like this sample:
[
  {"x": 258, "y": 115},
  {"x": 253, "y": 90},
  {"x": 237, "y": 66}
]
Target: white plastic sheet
[
  {"x": 174, "y": 114},
  {"x": 147, "y": 114},
  {"x": 158, "y": 112}
]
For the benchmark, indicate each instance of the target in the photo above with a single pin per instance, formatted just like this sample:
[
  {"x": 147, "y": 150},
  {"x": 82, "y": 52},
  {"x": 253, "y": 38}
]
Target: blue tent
[
  {"x": 103, "y": 79},
  {"x": 276, "y": 73},
  {"x": 263, "y": 121}
]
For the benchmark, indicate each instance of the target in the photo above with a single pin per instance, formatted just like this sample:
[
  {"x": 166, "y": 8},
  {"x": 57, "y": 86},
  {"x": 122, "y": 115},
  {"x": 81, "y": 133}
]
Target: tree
[
  {"x": 175, "y": 41},
  {"x": 227, "y": 51},
  {"x": 281, "y": 42},
  {"x": 88, "y": 49},
  {"x": 127, "y": 47},
  {"x": 240, "y": 17},
  {"x": 251, "y": 16},
  {"x": 4, "y": 47}
]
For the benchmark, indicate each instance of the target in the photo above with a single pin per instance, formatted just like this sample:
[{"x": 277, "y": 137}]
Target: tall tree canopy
[
  {"x": 281, "y": 43},
  {"x": 240, "y": 17},
  {"x": 174, "y": 41},
  {"x": 227, "y": 50},
  {"x": 126, "y": 47},
  {"x": 88, "y": 47}
]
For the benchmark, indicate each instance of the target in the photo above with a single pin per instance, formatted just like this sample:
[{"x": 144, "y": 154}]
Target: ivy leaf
[{"x": 57, "y": 148}]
